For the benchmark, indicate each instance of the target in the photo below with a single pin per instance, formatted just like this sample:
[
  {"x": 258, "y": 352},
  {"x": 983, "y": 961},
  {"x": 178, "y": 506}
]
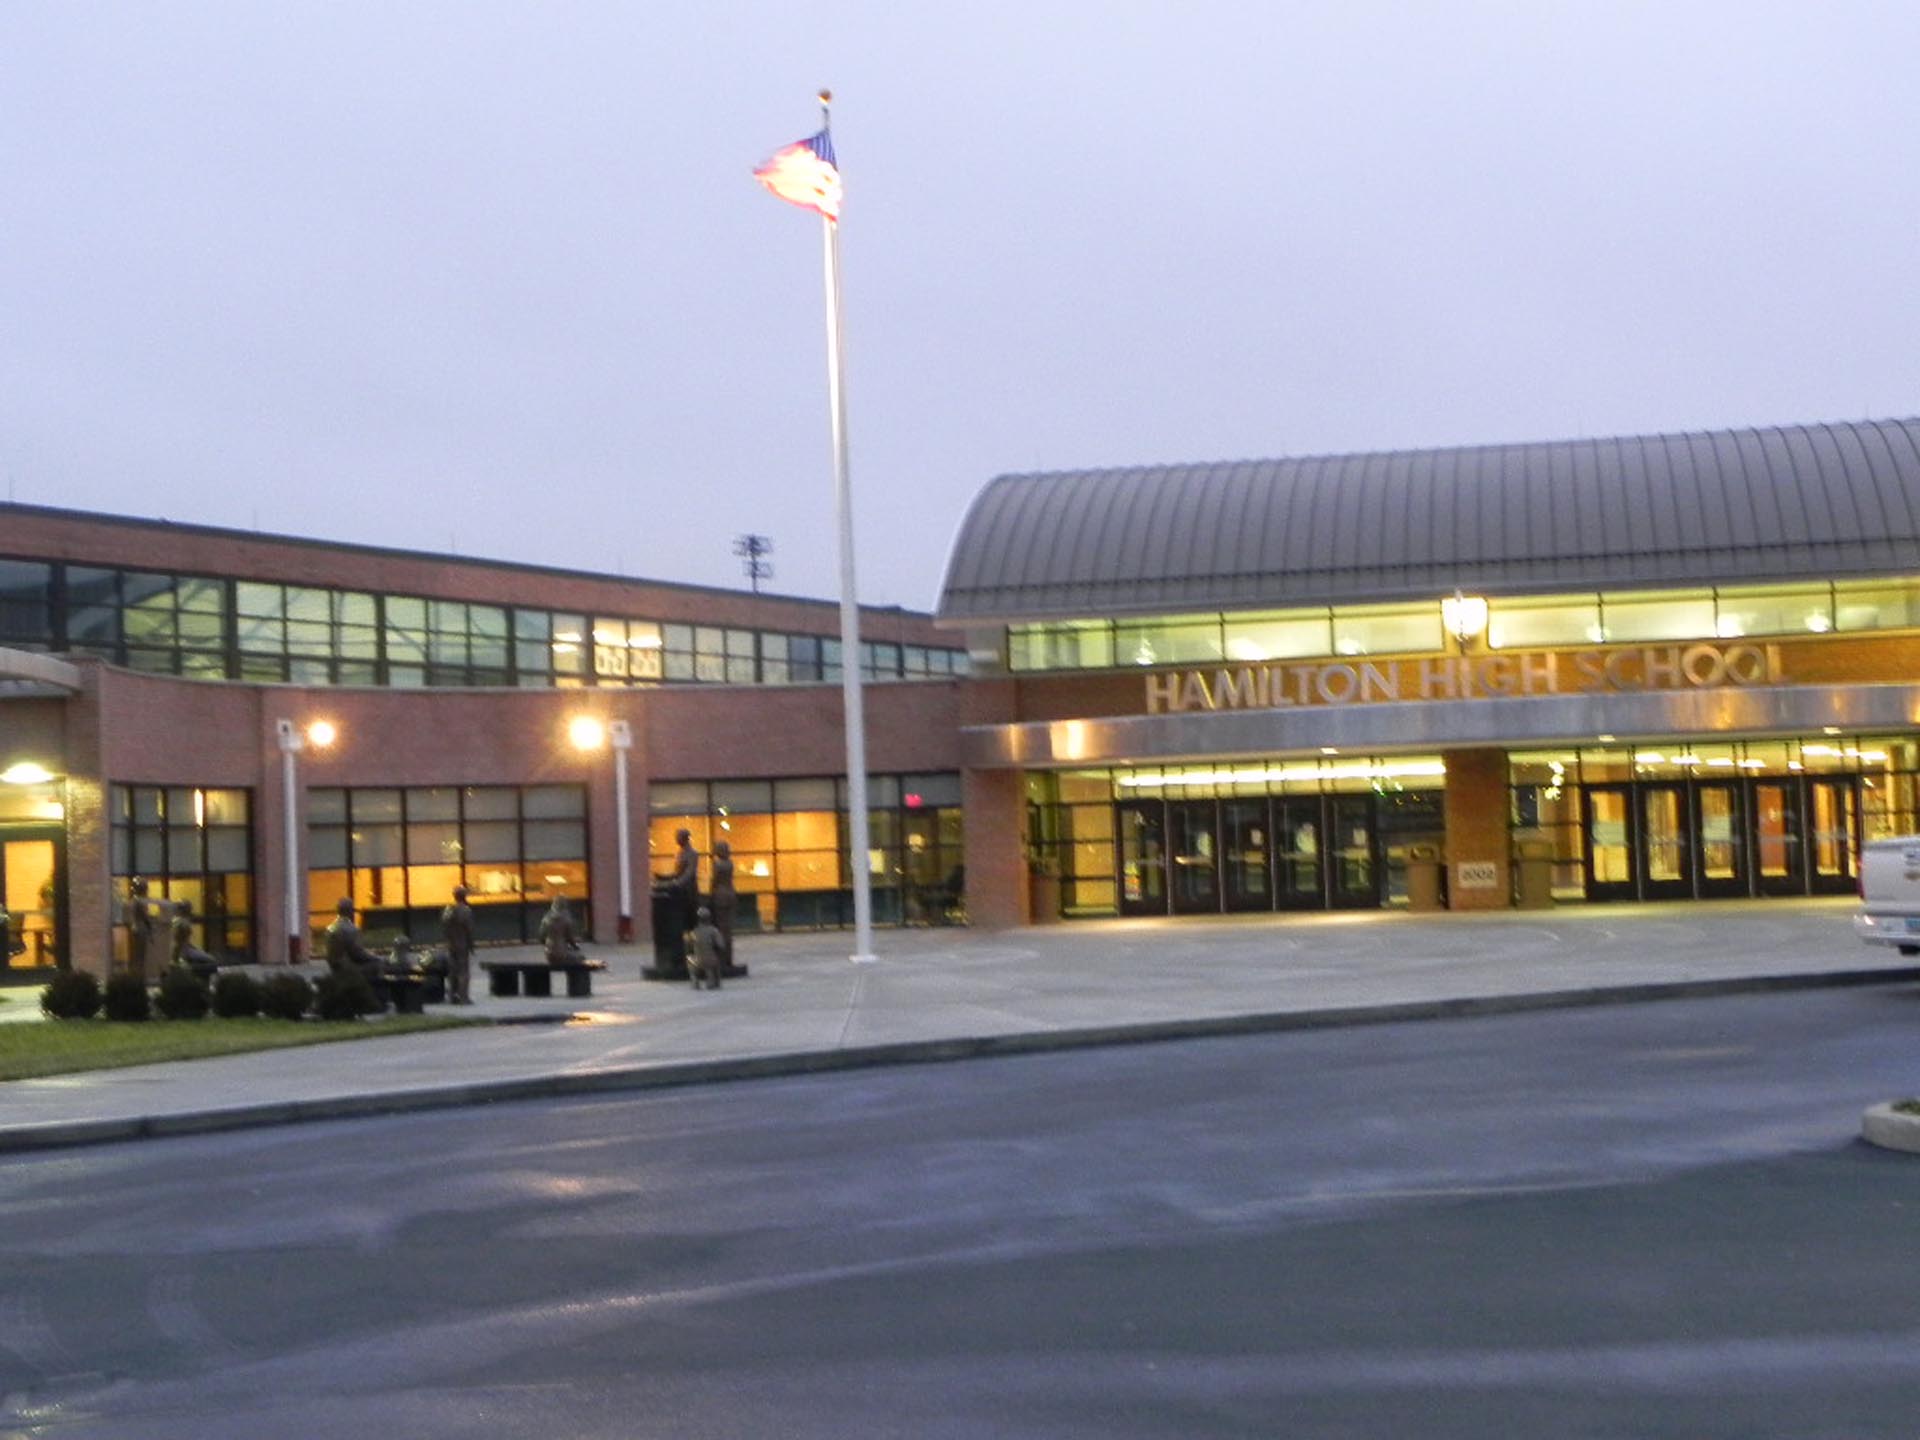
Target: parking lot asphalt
[{"x": 951, "y": 993}]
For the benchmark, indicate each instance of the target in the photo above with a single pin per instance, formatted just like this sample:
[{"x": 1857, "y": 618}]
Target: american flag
[{"x": 804, "y": 174}]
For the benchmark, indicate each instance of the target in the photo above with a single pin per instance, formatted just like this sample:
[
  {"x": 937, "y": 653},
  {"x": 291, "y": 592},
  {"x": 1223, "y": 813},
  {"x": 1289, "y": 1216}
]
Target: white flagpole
[{"x": 850, "y": 666}]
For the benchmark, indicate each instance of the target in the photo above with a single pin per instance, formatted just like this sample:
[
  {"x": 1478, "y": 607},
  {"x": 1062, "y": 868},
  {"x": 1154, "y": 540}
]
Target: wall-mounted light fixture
[{"x": 1465, "y": 616}]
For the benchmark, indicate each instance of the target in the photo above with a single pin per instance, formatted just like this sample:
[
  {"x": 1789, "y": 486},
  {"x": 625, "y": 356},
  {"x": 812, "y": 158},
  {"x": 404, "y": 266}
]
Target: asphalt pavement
[
  {"x": 1635, "y": 1220},
  {"x": 954, "y": 993}
]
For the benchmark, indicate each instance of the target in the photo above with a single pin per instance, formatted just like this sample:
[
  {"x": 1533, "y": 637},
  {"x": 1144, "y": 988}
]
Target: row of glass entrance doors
[
  {"x": 1293, "y": 852},
  {"x": 1682, "y": 839}
]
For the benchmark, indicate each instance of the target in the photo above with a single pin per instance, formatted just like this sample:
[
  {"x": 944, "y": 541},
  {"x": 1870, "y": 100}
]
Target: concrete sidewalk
[{"x": 945, "y": 994}]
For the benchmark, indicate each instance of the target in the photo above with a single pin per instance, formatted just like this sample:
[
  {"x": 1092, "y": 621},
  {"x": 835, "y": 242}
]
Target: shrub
[
  {"x": 71, "y": 995},
  {"x": 285, "y": 996},
  {"x": 182, "y": 995},
  {"x": 236, "y": 996},
  {"x": 126, "y": 998},
  {"x": 344, "y": 995}
]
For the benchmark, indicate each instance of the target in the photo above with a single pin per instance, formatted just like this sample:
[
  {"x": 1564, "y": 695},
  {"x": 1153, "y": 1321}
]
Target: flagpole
[{"x": 850, "y": 660}]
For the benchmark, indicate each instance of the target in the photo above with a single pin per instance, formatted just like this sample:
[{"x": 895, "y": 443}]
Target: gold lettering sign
[{"x": 1464, "y": 677}]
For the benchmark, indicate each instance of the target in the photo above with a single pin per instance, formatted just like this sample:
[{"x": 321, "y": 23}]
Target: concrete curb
[
  {"x": 1890, "y": 1129},
  {"x": 66, "y": 1134}
]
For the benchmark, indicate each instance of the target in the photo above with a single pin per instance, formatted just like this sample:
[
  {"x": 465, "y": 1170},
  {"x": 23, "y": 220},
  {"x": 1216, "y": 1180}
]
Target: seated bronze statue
[
  {"x": 185, "y": 952},
  {"x": 345, "y": 950},
  {"x": 558, "y": 938}
]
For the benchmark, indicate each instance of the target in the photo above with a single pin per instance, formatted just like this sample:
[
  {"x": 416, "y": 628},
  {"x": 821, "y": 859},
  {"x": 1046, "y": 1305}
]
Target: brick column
[
  {"x": 994, "y": 803},
  {"x": 89, "y": 834},
  {"x": 1476, "y": 811}
]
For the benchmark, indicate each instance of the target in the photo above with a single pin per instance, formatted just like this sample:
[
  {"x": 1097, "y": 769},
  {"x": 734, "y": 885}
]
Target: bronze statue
[
  {"x": 684, "y": 883},
  {"x": 708, "y": 960},
  {"x": 456, "y": 927},
  {"x": 185, "y": 952},
  {"x": 146, "y": 930},
  {"x": 346, "y": 950},
  {"x": 558, "y": 938},
  {"x": 723, "y": 899}
]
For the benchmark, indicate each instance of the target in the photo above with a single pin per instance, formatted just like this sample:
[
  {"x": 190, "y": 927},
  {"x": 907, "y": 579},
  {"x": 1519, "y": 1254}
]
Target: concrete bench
[{"x": 505, "y": 978}]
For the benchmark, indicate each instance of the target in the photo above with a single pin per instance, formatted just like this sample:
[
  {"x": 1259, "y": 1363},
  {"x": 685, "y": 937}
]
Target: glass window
[
  {"x": 1387, "y": 629},
  {"x": 683, "y": 797},
  {"x": 1177, "y": 641},
  {"x": 441, "y": 803},
  {"x": 307, "y": 603},
  {"x": 738, "y": 795},
  {"x": 1658, "y": 615},
  {"x": 1523, "y": 624},
  {"x": 609, "y": 649},
  {"x": 1877, "y": 605},
  {"x": 929, "y": 790},
  {"x": 192, "y": 845},
  {"x": 267, "y": 601},
  {"x": 803, "y": 658},
  {"x": 198, "y": 593},
  {"x": 773, "y": 660},
  {"x": 1279, "y": 636},
  {"x": 1773, "y": 610},
  {"x": 405, "y": 612},
  {"x": 26, "y": 612},
  {"x": 375, "y": 805},
  {"x": 491, "y": 802},
  {"x": 804, "y": 795},
  {"x": 491, "y": 840},
  {"x": 553, "y": 802}
]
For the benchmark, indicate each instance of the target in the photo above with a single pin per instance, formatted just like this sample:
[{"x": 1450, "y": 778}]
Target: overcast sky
[{"x": 495, "y": 276}]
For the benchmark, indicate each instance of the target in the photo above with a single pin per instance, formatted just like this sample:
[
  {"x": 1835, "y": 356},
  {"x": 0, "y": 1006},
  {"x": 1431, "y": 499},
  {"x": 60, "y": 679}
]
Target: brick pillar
[
  {"x": 994, "y": 803},
  {"x": 89, "y": 832},
  {"x": 1477, "y": 829}
]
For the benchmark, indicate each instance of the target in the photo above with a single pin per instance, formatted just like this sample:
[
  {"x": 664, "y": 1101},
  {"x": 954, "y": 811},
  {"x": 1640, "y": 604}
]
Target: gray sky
[{"x": 496, "y": 275}]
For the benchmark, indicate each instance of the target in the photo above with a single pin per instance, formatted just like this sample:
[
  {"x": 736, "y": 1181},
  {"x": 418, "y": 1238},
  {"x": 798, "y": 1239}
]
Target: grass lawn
[{"x": 59, "y": 1047}]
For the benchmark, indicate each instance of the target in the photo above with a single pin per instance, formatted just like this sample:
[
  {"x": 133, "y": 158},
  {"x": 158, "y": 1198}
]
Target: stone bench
[{"x": 505, "y": 978}]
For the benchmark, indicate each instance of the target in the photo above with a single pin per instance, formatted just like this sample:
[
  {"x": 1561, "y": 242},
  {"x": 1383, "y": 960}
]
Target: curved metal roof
[{"x": 1716, "y": 506}]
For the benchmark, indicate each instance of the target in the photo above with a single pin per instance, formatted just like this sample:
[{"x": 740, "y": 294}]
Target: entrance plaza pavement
[{"x": 949, "y": 993}]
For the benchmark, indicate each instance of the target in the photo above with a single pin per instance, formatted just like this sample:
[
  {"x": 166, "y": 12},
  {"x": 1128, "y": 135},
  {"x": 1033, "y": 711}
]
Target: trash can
[
  {"x": 669, "y": 939},
  {"x": 1423, "y": 877},
  {"x": 1535, "y": 864}
]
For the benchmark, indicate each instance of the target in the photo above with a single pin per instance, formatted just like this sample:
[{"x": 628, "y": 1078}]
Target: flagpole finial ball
[{"x": 826, "y": 97}]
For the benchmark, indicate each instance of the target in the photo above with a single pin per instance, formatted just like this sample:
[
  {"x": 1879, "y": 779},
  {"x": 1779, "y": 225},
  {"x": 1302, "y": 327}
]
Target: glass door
[
  {"x": 1834, "y": 802},
  {"x": 1666, "y": 846},
  {"x": 30, "y": 880},
  {"x": 1141, "y": 838},
  {"x": 1245, "y": 834},
  {"x": 1610, "y": 842},
  {"x": 1300, "y": 874},
  {"x": 1193, "y": 828},
  {"x": 1720, "y": 837},
  {"x": 1355, "y": 873},
  {"x": 1779, "y": 844}
]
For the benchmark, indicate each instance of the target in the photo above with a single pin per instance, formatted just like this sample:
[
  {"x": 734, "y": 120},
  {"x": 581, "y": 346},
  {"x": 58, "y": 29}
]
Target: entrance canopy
[
  {"x": 1519, "y": 720},
  {"x": 1721, "y": 506}
]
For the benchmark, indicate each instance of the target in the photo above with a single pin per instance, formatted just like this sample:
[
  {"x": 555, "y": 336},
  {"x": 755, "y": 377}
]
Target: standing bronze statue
[
  {"x": 558, "y": 938},
  {"x": 146, "y": 930},
  {"x": 723, "y": 898},
  {"x": 708, "y": 961},
  {"x": 456, "y": 928},
  {"x": 684, "y": 883}
]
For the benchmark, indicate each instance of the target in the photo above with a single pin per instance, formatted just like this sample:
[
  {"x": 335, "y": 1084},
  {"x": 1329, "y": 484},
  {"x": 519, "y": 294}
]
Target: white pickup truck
[{"x": 1890, "y": 894}]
